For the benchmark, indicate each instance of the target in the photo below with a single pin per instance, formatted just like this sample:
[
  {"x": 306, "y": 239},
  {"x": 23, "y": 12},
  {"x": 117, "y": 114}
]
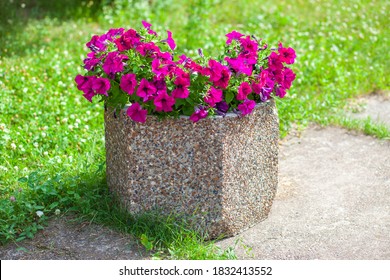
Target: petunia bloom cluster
[{"x": 142, "y": 70}]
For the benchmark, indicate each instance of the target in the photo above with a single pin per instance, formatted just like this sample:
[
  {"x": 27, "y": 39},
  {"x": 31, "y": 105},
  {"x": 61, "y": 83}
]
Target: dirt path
[
  {"x": 333, "y": 202},
  {"x": 67, "y": 240}
]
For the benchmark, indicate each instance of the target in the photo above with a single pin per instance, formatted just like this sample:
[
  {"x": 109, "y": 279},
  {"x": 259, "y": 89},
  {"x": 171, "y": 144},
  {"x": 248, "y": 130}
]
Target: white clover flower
[
  {"x": 57, "y": 212},
  {"x": 13, "y": 146},
  {"x": 39, "y": 213}
]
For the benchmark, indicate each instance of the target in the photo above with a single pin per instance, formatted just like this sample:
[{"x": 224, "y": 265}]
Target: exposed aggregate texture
[{"x": 222, "y": 172}]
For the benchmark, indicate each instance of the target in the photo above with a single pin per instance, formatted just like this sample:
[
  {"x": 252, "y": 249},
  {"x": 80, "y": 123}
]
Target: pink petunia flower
[
  {"x": 181, "y": 90},
  {"x": 146, "y": 90},
  {"x": 287, "y": 55},
  {"x": 243, "y": 91},
  {"x": 200, "y": 113},
  {"x": 240, "y": 65},
  {"x": 136, "y": 113},
  {"x": 159, "y": 71},
  {"x": 147, "y": 26},
  {"x": 91, "y": 61},
  {"x": 101, "y": 86},
  {"x": 114, "y": 63},
  {"x": 148, "y": 49},
  {"x": 246, "y": 107},
  {"x": 130, "y": 39},
  {"x": 288, "y": 78},
  {"x": 171, "y": 43},
  {"x": 128, "y": 83},
  {"x": 96, "y": 44},
  {"x": 213, "y": 96},
  {"x": 219, "y": 74},
  {"x": 234, "y": 35},
  {"x": 274, "y": 62},
  {"x": 160, "y": 84},
  {"x": 164, "y": 102},
  {"x": 84, "y": 82},
  {"x": 249, "y": 45},
  {"x": 281, "y": 92}
]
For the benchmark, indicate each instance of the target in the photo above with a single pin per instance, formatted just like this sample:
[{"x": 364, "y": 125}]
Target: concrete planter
[{"x": 223, "y": 172}]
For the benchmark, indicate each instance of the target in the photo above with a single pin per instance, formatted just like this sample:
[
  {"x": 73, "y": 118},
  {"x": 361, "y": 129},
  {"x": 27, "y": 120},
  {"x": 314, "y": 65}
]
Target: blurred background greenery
[{"x": 46, "y": 125}]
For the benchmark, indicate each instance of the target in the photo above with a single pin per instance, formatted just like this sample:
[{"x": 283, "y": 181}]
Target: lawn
[{"x": 52, "y": 140}]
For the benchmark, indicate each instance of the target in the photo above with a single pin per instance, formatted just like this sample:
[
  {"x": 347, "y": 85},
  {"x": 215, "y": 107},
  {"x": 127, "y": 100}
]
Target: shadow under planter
[{"x": 222, "y": 172}]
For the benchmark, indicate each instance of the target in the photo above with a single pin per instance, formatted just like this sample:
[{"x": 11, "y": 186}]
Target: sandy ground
[{"x": 333, "y": 202}]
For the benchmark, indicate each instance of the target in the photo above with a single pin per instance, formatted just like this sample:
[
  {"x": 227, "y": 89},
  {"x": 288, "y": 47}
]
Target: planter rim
[{"x": 227, "y": 115}]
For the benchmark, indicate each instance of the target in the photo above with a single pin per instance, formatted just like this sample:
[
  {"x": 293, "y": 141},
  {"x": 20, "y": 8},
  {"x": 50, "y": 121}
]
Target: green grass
[{"x": 47, "y": 126}]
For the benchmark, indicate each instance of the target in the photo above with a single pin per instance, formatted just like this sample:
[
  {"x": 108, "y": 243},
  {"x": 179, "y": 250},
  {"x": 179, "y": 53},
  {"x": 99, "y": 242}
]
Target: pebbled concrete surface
[
  {"x": 375, "y": 106},
  {"x": 333, "y": 201}
]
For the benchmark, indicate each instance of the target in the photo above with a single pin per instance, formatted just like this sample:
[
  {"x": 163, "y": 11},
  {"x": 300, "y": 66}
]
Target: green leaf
[{"x": 229, "y": 97}]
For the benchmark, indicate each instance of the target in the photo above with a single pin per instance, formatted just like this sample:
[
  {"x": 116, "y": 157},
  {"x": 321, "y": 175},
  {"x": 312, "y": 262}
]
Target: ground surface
[{"x": 333, "y": 202}]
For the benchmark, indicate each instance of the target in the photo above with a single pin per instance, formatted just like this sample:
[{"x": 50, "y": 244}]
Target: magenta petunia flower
[
  {"x": 146, "y": 90},
  {"x": 240, "y": 65},
  {"x": 159, "y": 71},
  {"x": 288, "y": 78},
  {"x": 243, "y": 91},
  {"x": 287, "y": 55},
  {"x": 234, "y": 35},
  {"x": 91, "y": 61},
  {"x": 101, "y": 85},
  {"x": 96, "y": 44},
  {"x": 148, "y": 49},
  {"x": 88, "y": 95},
  {"x": 281, "y": 92},
  {"x": 130, "y": 39},
  {"x": 128, "y": 83},
  {"x": 136, "y": 113},
  {"x": 160, "y": 84},
  {"x": 249, "y": 45},
  {"x": 114, "y": 63},
  {"x": 219, "y": 74},
  {"x": 84, "y": 82},
  {"x": 246, "y": 107},
  {"x": 148, "y": 26},
  {"x": 171, "y": 43},
  {"x": 213, "y": 96},
  {"x": 274, "y": 62},
  {"x": 181, "y": 90},
  {"x": 164, "y": 102},
  {"x": 200, "y": 113}
]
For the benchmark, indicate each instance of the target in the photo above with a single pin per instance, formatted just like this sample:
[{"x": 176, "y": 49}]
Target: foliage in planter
[{"x": 139, "y": 68}]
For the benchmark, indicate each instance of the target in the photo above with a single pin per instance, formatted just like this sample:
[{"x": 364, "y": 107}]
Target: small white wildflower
[
  {"x": 43, "y": 134},
  {"x": 3, "y": 168},
  {"x": 39, "y": 213},
  {"x": 45, "y": 153},
  {"x": 57, "y": 212},
  {"x": 25, "y": 90},
  {"x": 35, "y": 145},
  {"x": 86, "y": 127},
  {"x": 16, "y": 168},
  {"x": 13, "y": 146}
]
